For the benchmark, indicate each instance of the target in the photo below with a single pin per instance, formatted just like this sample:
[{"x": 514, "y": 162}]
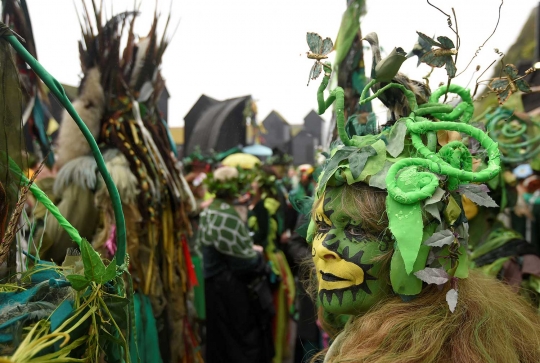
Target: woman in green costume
[
  {"x": 263, "y": 221},
  {"x": 238, "y": 298},
  {"x": 389, "y": 241}
]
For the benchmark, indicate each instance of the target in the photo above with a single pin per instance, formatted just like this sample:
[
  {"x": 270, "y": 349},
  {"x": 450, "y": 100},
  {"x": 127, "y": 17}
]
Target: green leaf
[
  {"x": 78, "y": 282},
  {"x": 376, "y": 162},
  {"x": 379, "y": 180},
  {"x": 450, "y": 66},
  {"x": 348, "y": 30},
  {"x": 94, "y": 269},
  {"x": 357, "y": 160},
  {"x": 405, "y": 222},
  {"x": 402, "y": 283},
  {"x": 117, "y": 306},
  {"x": 396, "y": 139},
  {"x": 477, "y": 194},
  {"x": 333, "y": 163},
  {"x": 462, "y": 271},
  {"x": 110, "y": 272},
  {"x": 440, "y": 239},
  {"x": 452, "y": 211}
]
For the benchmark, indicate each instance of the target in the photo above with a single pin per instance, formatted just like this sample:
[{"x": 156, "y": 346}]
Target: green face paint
[{"x": 349, "y": 281}]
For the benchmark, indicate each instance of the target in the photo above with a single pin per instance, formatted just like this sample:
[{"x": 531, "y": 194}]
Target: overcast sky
[{"x": 231, "y": 48}]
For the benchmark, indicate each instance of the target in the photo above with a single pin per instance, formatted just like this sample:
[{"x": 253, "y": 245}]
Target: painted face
[{"x": 343, "y": 255}]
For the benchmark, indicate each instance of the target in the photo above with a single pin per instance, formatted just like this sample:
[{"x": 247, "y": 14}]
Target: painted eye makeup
[
  {"x": 355, "y": 231},
  {"x": 322, "y": 226}
]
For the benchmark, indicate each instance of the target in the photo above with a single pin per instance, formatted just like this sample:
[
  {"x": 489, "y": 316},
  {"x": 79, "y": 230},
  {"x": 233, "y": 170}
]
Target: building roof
[{"x": 220, "y": 126}]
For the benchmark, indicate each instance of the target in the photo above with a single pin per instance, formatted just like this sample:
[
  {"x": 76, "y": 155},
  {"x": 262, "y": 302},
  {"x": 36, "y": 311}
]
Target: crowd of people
[
  {"x": 245, "y": 233},
  {"x": 413, "y": 241}
]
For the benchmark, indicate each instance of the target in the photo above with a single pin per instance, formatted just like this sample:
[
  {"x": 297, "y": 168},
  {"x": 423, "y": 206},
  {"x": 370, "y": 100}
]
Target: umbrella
[
  {"x": 245, "y": 161},
  {"x": 258, "y": 150}
]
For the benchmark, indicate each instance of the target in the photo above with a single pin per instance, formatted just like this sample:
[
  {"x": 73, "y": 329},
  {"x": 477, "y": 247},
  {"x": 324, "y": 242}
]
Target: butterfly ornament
[
  {"x": 510, "y": 83},
  {"x": 319, "y": 50},
  {"x": 442, "y": 56}
]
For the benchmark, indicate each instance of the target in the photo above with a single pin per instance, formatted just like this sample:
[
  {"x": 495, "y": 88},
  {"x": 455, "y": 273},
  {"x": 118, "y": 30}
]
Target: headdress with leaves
[
  {"x": 419, "y": 175},
  {"x": 233, "y": 186}
]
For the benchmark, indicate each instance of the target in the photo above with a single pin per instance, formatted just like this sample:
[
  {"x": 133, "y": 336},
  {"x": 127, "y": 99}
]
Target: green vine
[
  {"x": 57, "y": 89},
  {"x": 453, "y": 160},
  {"x": 513, "y": 136}
]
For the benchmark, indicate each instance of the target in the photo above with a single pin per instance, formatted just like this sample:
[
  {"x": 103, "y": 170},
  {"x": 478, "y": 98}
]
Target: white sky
[{"x": 230, "y": 48}]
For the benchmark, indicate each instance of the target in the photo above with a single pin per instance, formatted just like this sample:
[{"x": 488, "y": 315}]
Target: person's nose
[{"x": 325, "y": 254}]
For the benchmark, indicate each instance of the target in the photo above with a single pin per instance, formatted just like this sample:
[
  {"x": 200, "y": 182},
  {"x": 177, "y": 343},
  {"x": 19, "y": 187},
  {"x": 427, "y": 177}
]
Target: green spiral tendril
[
  {"x": 463, "y": 110},
  {"x": 511, "y": 132},
  {"x": 453, "y": 160},
  {"x": 458, "y": 170}
]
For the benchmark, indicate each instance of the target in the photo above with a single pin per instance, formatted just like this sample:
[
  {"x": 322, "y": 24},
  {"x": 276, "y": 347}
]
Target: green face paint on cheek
[{"x": 349, "y": 280}]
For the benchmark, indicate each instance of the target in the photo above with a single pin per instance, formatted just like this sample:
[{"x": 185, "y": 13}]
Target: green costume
[
  {"x": 264, "y": 222},
  {"x": 225, "y": 240},
  {"x": 239, "y": 304},
  {"x": 418, "y": 178}
]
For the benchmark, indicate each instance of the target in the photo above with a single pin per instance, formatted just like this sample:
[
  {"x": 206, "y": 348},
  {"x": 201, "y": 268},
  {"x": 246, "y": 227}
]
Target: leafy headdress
[
  {"x": 229, "y": 181},
  {"x": 418, "y": 175}
]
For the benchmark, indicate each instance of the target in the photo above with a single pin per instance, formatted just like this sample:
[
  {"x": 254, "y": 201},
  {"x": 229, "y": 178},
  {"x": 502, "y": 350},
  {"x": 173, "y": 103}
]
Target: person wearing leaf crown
[
  {"x": 238, "y": 298},
  {"x": 264, "y": 222},
  {"x": 389, "y": 241}
]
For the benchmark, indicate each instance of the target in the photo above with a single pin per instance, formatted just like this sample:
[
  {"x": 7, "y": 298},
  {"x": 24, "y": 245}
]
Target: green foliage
[
  {"x": 350, "y": 24},
  {"x": 94, "y": 269},
  {"x": 232, "y": 186}
]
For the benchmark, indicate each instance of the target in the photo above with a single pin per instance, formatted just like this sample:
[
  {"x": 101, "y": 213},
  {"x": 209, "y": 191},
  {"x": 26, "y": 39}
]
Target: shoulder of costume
[
  {"x": 124, "y": 179},
  {"x": 81, "y": 171}
]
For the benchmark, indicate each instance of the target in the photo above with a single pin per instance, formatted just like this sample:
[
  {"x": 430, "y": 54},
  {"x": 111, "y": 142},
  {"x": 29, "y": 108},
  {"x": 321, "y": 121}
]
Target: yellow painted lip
[
  {"x": 331, "y": 277},
  {"x": 338, "y": 283}
]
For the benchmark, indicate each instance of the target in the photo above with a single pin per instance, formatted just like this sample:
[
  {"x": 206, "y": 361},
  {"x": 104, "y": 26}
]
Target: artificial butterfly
[
  {"x": 505, "y": 86},
  {"x": 319, "y": 49},
  {"x": 439, "y": 57}
]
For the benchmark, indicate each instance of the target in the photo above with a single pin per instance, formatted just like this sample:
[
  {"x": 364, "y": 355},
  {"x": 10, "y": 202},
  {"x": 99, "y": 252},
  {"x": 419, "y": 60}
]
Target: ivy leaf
[
  {"x": 117, "y": 307},
  {"x": 357, "y": 160},
  {"x": 451, "y": 299},
  {"x": 433, "y": 209},
  {"x": 379, "y": 180},
  {"x": 333, "y": 163},
  {"x": 396, "y": 139},
  {"x": 477, "y": 194},
  {"x": 440, "y": 239},
  {"x": 110, "y": 272},
  {"x": 452, "y": 212},
  {"x": 78, "y": 282},
  {"x": 431, "y": 205},
  {"x": 436, "y": 197},
  {"x": 429, "y": 275},
  {"x": 94, "y": 269}
]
